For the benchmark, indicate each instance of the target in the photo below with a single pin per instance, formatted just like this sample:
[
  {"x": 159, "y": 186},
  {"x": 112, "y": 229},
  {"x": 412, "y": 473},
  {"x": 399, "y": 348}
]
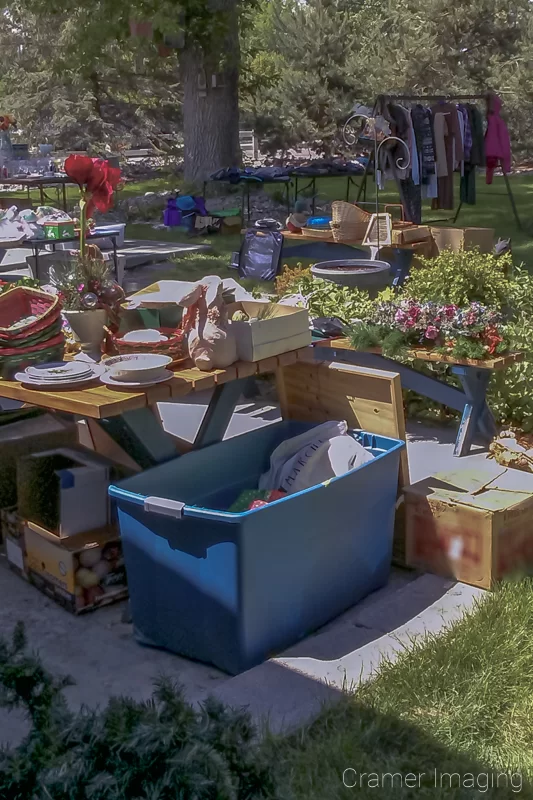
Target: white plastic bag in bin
[{"x": 312, "y": 457}]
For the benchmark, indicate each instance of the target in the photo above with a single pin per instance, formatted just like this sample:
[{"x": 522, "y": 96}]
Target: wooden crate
[{"x": 366, "y": 398}]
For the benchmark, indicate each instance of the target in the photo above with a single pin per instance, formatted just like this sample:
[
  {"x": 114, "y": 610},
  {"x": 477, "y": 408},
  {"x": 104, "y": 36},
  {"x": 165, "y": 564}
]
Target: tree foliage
[
  {"x": 331, "y": 53},
  {"x": 74, "y": 74},
  {"x": 162, "y": 749},
  {"x": 81, "y": 97}
]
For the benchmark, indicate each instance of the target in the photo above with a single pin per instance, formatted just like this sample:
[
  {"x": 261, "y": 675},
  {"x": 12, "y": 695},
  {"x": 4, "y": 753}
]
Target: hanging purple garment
[{"x": 171, "y": 215}]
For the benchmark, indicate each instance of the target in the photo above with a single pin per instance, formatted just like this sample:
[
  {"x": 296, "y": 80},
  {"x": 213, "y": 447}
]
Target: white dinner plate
[
  {"x": 109, "y": 381},
  {"x": 67, "y": 383},
  {"x": 59, "y": 371}
]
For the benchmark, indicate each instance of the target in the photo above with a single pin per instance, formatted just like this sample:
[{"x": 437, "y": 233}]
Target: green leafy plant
[
  {"x": 324, "y": 298},
  {"x": 162, "y": 749},
  {"x": 364, "y": 336},
  {"x": 290, "y": 278},
  {"x": 511, "y": 391},
  {"x": 462, "y": 278}
]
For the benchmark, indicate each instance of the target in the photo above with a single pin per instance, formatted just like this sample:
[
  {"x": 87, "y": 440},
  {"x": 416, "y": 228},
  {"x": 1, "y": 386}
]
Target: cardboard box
[
  {"x": 12, "y": 527},
  {"x": 64, "y": 490},
  {"x": 411, "y": 234},
  {"x": 59, "y": 230},
  {"x": 287, "y": 329},
  {"x": 457, "y": 239},
  {"x": 82, "y": 572},
  {"x": 27, "y": 436},
  {"x": 475, "y": 526}
]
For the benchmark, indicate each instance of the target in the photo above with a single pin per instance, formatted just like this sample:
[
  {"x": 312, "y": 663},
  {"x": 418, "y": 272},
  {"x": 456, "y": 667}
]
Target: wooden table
[
  {"x": 41, "y": 182},
  {"x": 473, "y": 375},
  {"x": 128, "y": 418}
]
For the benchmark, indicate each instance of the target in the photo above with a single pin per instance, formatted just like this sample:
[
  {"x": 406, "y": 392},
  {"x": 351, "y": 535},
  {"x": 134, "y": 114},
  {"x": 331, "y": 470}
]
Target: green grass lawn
[{"x": 458, "y": 703}]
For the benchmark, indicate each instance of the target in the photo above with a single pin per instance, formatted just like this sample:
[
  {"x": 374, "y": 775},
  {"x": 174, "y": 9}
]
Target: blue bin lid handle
[{"x": 168, "y": 508}]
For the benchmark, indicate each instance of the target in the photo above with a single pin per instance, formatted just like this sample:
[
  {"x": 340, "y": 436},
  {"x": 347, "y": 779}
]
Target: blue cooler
[{"x": 234, "y": 589}]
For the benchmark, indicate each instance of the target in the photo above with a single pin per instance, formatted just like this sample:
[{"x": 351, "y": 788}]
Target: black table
[
  {"x": 245, "y": 195},
  {"x": 40, "y": 182},
  {"x": 312, "y": 179}
]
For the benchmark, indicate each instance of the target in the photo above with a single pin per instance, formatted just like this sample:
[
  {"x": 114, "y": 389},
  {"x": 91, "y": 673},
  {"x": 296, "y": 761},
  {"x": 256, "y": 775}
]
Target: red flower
[
  {"x": 96, "y": 177},
  {"x": 492, "y": 339},
  {"x": 79, "y": 168},
  {"x": 102, "y": 184}
]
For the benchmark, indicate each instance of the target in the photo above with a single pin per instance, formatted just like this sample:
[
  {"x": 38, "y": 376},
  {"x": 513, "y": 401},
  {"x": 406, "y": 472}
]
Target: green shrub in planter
[
  {"x": 163, "y": 749},
  {"x": 511, "y": 391},
  {"x": 462, "y": 278}
]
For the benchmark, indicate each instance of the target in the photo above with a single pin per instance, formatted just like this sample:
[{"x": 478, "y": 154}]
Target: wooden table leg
[
  {"x": 219, "y": 412},
  {"x": 140, "y": 434},
  {"x": 476, "y": 413}
]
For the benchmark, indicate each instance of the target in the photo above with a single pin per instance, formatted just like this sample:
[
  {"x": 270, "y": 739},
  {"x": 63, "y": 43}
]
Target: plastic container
[{"x": 234, "y": 589}]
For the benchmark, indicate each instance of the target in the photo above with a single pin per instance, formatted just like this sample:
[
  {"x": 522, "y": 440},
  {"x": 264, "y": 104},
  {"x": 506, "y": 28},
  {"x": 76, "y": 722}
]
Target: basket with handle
[
  {"x": 175, "y": 346},
  {"x": 349, "y": 222}
]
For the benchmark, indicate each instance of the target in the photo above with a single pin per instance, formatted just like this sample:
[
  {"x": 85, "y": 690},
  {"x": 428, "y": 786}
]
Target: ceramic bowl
[
  {"x": 137, "y": 366},
  {"x": 145, "y": 336}
]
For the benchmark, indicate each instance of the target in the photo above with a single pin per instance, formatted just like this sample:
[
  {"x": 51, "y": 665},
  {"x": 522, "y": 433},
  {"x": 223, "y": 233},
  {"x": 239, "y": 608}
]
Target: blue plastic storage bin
[{"x": 234, "y": 589}]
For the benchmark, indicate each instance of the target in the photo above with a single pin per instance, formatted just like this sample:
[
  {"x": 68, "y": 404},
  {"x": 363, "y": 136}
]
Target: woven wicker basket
[
  {"x": 176, "y": 346},
  {"x": 326, "y": 234},
  {"x": 349, "y": 222},
  {"x": 12, "y": 362},
  {"x": 22, "y": 301}
]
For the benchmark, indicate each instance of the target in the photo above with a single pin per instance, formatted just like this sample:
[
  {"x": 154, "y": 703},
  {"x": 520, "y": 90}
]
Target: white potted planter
[{"x": 88, "y": 328}]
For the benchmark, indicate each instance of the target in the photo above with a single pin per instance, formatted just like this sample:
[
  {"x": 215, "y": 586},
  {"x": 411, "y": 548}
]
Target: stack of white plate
[
  {"x": 136, "y": 370},
  {"x": 60, "y": 374}
]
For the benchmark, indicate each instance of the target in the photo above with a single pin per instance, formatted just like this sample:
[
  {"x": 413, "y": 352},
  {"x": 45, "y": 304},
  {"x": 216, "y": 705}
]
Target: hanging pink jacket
[{"x": 497, "y": 142}]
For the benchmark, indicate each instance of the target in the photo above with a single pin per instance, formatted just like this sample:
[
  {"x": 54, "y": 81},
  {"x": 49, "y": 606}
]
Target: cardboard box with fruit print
[{"x": 81, "y": 572}]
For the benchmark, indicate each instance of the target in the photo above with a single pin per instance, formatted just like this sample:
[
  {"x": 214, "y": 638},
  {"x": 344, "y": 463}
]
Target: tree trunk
[{"x": 211, "y": 103}]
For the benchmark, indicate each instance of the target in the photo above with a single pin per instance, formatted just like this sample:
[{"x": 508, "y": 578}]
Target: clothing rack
[{"x": 435, "y": 98}]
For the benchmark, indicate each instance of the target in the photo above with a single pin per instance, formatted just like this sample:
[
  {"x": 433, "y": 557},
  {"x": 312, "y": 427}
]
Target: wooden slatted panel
[{"x": 366, "y": 398}]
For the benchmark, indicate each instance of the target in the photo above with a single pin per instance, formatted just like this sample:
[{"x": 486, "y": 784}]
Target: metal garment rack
[{"x": 435, "y": 98}]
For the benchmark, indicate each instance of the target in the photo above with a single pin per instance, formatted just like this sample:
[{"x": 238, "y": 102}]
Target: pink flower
[
  {"x": 410, "y": 323},
  {"x": 450, "y": 311},
  {"x": 400, "y": 317},
  {"x": 431, "y": 332}
]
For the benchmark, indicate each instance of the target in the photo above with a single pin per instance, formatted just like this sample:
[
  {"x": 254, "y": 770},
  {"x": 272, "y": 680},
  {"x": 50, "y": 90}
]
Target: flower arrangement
[
  {"x": 473, "y": 332},
  {"x": 86, "y": 284}
]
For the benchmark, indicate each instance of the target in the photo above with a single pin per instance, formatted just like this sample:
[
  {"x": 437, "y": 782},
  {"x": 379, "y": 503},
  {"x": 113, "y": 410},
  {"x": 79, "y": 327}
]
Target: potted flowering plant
[
  {"x": 473, "y": 332},
  {"x": 89, "y": 297},
  {"x": 88, "y": 294}
]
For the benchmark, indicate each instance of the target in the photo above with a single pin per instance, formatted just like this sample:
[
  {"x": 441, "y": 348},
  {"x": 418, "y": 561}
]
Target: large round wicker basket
[{"x": 349, "y": 222}]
